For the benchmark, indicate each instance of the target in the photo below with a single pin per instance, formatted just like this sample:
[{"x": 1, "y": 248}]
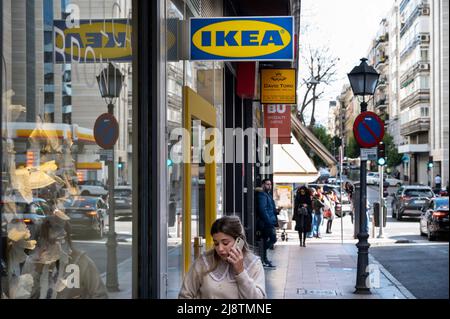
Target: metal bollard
[{"x": 197, "y": 246}]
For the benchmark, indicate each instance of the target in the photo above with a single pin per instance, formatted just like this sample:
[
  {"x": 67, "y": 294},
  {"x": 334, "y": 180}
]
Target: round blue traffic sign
[
  {"x": 106, "y": 131},
  {"x": 368, "y": 129}
]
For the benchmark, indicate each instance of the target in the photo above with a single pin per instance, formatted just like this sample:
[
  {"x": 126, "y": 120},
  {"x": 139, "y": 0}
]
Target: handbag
[{"x": 327, "y": 213}]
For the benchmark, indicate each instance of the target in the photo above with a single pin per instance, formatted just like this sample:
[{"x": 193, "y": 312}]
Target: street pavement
[{"x": 403, "y": 265}]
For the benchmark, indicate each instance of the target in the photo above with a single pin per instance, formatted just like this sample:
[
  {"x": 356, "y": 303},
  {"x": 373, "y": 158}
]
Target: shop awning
[
  {"x": 302, "y": 132},
  {"x": 292, "y": 165}
]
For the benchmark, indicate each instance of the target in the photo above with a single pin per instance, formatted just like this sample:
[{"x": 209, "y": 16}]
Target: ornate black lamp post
[
  {"x": 110, "y": 82},
  {"x": 363, "y": 80}
]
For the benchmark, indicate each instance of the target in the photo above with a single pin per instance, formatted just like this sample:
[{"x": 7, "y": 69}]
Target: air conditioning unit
[
  {"x": 425, "y": 11},
  {"x": 424, "y": 66}
]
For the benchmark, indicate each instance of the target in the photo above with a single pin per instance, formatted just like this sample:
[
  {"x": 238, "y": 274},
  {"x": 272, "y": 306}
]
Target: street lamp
[
  {"x": 363, "y": 80},
  {"x": 110, "y": 82}
]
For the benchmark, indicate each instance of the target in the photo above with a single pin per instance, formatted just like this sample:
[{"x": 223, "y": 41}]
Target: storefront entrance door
[{"x": 199, "y": 198}]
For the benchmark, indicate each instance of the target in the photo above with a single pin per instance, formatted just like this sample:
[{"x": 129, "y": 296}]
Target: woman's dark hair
[{"x": 231, "y": 226}]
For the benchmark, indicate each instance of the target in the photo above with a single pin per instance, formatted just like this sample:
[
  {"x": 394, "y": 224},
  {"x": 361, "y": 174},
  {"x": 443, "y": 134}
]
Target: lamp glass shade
[
  {"x": 110, "y": 82},
  {"x": 363, "y": 79}
]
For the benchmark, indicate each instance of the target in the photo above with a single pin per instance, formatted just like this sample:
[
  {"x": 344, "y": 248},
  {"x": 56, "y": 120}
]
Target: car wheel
[
  {"x": 85, "y": 193},
  {"x": 431, "y": 237},
  {"x": 399, "y": 184},
  {"x": 420, "y": 229}
]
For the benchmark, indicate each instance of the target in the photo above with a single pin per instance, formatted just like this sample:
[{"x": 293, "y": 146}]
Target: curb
[{"x": 406, "y": 293}]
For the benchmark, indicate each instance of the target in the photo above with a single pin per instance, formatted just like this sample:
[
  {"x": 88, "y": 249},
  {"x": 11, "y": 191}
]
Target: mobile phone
[{"x": 239, "y": 243}]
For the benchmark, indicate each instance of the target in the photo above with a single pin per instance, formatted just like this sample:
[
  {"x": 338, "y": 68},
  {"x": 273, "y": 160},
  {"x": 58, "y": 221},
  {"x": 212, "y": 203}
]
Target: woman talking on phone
[{"x": 229, "y": 270}]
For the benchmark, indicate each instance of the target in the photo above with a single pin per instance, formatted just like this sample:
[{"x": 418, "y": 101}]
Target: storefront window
[
  {"x": 66, "y": 200},
  {"x": 206, "y": 79}
]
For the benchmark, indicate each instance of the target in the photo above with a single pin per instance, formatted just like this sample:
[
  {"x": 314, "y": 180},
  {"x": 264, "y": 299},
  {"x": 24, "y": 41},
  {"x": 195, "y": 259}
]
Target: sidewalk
[
  {"x": 125, "y": 279},
  {"x": 326, "y": 269}
]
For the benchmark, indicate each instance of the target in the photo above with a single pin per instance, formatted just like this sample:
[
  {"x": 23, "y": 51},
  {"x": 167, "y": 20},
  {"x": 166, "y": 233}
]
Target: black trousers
[{"x": 302, "y": 237}]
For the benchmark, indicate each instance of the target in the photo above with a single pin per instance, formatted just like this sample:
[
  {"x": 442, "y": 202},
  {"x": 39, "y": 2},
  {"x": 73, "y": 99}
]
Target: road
[
  {"x": 97, "y": 250},
  {"x": 419, "y": 265}
]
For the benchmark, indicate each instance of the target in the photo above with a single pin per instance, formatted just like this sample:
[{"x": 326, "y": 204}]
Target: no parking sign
[
  {"x": 368, "y": 129},
  {"x": 106, "y": 131}
]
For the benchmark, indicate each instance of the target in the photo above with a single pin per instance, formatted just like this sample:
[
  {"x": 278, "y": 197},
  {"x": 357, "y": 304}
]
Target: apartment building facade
[
  {"x": 414, "y": 50},
  {"x": 439, "y": 95}
]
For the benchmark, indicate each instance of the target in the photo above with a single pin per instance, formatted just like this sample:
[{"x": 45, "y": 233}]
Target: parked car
[
  {"x": 434, "y": 218},
  {"x": 122, "y": 200},
  {"x": 393, "y": 181},
  {"x": 88, "y": 215},
  {"x": 92, "y": 188},
  {"x": 409, "y": 200},
  {"x": 373, "y": 178}
]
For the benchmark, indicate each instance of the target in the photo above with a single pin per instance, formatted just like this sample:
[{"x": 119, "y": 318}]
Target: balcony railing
[
  {"x": 419, "y": 96},
  {"x": 415, "y": 126},
  {"x": 408, "y": 76},
  {"x": 381, "y": 104},
  {"x": 422, "y": 38},
  {"x": 381, "y": 60},
  {"x": 422, "y": 9}
]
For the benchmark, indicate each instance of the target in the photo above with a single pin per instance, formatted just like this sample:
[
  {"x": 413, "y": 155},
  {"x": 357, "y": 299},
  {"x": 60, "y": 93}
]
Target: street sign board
[
  {"x": 405, "y": 158},
  {"x": 278, "y": 86},
  {"x": 242, "y": 38},
  {"x": 368, "y": 129},
  {"x": 369, "y": 154},
  {"x": 106, "y": 131},
  {"x": 105, "y": 155}
]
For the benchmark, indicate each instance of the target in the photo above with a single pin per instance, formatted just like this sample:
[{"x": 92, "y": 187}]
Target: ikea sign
[{"x": 242, "y": 38}]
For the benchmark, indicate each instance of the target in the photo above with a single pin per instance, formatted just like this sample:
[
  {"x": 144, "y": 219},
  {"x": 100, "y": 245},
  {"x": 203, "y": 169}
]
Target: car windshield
[
  {"x": 418, "y": 193},
  {"x": 122, "y": 193},
  {"x": 442, "y": 203},
  {"x": 81, "y": 202}
]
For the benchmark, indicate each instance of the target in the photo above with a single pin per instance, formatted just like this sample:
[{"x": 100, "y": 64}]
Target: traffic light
[
  {"x": 430, "y": 162},
  {"x": 381, "y": 156}
]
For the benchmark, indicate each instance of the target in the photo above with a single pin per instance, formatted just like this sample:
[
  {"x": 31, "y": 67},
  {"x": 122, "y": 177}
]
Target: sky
[{"x": 347, "y": 28}]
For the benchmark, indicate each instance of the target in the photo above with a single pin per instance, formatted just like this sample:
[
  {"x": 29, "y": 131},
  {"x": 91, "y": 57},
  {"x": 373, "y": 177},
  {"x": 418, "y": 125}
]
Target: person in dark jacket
[
  {"x": 302, "y": 213},
  {"x": 266, "y": 219}
]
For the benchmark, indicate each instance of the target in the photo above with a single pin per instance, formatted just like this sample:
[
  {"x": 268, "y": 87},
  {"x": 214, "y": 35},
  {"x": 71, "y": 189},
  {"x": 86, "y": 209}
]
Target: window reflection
[{"x": 55, "y": 191}]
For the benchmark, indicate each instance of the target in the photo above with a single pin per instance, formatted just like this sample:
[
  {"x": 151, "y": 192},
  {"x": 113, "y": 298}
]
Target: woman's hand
[{"x": 236, "y": 259}]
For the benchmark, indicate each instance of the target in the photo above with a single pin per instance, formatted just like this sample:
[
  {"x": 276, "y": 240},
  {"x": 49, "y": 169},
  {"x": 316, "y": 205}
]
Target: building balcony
[
  {"x": 415, "y": 126},
  {"x": 422, "y": 39},
  {"x": 408, "y": 76},
  {"x": 382, "y": 83},
  {"x": 382, "y": 40},
  {"x": 419, "y": 96},
  {"x": 381, "y": 61},
  {"x": 381, "y": 104},
  {"x": 413, "y": 148},
  {"x": 422, "y": 9}
]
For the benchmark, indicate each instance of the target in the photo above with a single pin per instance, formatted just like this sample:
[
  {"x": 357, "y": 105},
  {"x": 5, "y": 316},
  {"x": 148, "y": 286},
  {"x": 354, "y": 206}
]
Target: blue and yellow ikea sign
[
  {"x": 93, "y": 41},
  {"x": 242, "y": 38}
]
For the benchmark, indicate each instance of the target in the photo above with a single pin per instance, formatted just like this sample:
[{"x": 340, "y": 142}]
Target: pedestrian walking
[
  {"x": 226, "y": 271},
  {"x": 266, "y": 219},
  {"x": 303, "y": 213},
  {"x": 317, "y": 206},
  {"x": 330, "y": 200},
  {"x": 438, "y": 182}
]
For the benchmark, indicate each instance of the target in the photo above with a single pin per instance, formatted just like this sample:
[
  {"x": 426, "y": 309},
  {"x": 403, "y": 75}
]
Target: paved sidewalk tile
[{"x": 325, "y": 269}]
